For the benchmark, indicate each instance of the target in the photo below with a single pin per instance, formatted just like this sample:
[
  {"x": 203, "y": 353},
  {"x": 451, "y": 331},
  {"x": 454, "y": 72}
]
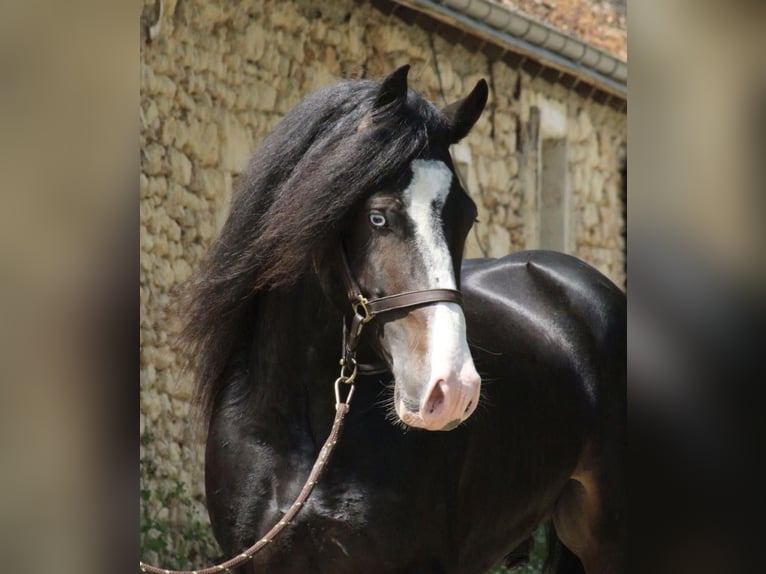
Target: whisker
[{"x": 473, "y": 345}]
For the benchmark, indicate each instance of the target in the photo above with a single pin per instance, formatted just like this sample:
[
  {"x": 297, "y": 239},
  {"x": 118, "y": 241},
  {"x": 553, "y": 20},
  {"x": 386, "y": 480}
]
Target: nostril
[
  {"x": 468, "y": 407},
  {"x": 435, "y": 399}
]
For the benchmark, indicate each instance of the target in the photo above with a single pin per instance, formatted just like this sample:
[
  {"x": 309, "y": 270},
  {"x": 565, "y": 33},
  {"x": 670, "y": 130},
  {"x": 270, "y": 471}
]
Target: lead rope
[{"x": 347, "y": 362}]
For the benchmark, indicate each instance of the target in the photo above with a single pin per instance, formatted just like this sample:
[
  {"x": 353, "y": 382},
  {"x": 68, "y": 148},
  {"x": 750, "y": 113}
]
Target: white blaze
[{"x": 425, "y": 198}]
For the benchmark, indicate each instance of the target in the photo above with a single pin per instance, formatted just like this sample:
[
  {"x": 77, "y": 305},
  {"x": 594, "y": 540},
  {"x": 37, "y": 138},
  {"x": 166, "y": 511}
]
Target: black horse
[{"x": 357, "y": 181}]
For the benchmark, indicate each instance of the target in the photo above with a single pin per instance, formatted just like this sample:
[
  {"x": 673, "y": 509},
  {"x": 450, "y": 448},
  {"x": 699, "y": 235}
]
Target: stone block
[
  {"x": 151, "y": 406},
  {"x": 236, "y": 147},
  {"x": 446, "y": 74},
  {"x": 504, "y": 123},
  {"x": 577, "y": 153},
  {"x": 210, "y": 14},
  {"x": 504, "y": 77},
  {"x": 516, "y": 197},
  {"x": 593, "y": 148},
  {"x": 586, "y": 127},
  {"x": 596, "y": 236},
  {"x": 590, "y": 216},
  {"x": 182, "y": 390},
  {"x": 506, "y": 143},
  {"x": 205, "y": 230},
  {"x": 163, "y": 85},
  {"x": 146, "y": 240},
  {"x": 577, "y": 178},
  {"x": 330, "y": 60},
  {"x": 390, "y": 38},
  {"x": 482, "y": 170},
  {"x": 333, "y": 37},
  {"x": 207, "y": 183},
  {"x": 174, "y": 133},
  {"x": 317, "y": 31},
  {"x": 317, "y": 77},
  {"x": 500, "y": 173},
  {"x": 287, "y": 18},
  {"x": 172, "y": 229},
  {"x": 150, "y": 114},
  {"x": 184, "y": 100},
  {"x": 596, "y": 188},
  {"x": 157, "y": 187},
  {"x": 499, "y": 241},
  {"x": 143, "y": 186},
  {"x": 472, "y": 247},
  {"x": 266, "y": 98},
  {"x": 153, "y": 160},
  {"x": 202, "y": 144},
  {"x": 513, "y": 221},
  {"x": 182, "y": 270},
  {"x": 180, "y": 167},
  {"x": 355, "y": 46},
  {"x": 483, "y": 126}
]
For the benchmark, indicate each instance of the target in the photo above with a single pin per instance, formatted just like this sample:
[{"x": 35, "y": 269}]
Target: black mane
[{"x": 289, "y": 209}]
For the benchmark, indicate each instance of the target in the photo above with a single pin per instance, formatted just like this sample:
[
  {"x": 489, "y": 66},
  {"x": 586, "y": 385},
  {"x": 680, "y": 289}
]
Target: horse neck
[{"x": 296, "y": 347}]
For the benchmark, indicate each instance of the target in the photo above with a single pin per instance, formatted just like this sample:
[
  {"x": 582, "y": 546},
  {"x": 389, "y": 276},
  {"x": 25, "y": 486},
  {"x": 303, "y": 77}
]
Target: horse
[{"x": 353, "y": 201}]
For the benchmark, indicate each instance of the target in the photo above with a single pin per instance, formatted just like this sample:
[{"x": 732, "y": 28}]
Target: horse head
[{"x": 408, "y": 235}]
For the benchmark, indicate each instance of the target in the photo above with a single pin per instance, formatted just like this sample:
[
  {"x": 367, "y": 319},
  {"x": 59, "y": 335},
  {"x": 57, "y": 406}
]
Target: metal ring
[{"x": 344, "y": 365}]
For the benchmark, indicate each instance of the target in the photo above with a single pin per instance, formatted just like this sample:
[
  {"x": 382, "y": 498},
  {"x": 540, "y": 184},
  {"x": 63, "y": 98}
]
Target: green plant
[
  {"x": 536, "y": 557},
  {"x": 191, "y": 535},
  {"x": 155, "y": 533}
]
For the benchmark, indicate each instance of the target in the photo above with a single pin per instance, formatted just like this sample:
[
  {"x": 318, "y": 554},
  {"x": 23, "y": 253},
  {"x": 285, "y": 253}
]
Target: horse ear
[
  {"x": 393, "y": 88},
  {"x": 463, "y": 114}
]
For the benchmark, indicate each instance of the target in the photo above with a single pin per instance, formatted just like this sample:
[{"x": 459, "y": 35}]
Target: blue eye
[{"x": 377, "y": 219}]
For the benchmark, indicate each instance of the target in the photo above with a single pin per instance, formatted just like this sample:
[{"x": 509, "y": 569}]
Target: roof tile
[{"x": 601, "y": 23}]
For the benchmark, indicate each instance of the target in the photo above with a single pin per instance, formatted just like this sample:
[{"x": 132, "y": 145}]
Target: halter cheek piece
[{"x": 365, "y": 310}]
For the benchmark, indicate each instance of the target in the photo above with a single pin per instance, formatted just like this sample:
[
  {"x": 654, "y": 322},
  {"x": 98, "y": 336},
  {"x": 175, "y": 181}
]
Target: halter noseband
[{"x": 365, "y": 311}]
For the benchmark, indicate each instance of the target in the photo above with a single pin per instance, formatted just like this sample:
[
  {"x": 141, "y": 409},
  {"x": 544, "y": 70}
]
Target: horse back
[{"x": 550, "y": 311}]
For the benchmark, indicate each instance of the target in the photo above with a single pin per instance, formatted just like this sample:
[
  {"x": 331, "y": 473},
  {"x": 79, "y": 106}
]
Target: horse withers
[{"x": 357, "y": 181}]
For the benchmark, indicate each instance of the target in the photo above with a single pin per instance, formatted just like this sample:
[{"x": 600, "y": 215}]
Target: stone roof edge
[{"x": 531, "y": 38}]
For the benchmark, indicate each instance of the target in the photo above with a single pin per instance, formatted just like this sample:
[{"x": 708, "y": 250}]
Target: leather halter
[{"x": 367, "y": 309}]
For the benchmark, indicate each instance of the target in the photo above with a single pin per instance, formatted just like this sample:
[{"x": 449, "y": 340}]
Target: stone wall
[{"x": 216, "y": 76}]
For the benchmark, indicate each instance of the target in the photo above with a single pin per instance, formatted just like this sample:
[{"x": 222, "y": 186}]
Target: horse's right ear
[
  {"x": 463, "y": 114},
  {"x": 393, "y": 88}
]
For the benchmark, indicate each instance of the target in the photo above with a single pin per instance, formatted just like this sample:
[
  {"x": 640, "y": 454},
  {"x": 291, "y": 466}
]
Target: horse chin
[
  {"x": 416, "y": 420},
  {"x": 410, "y": 418}
]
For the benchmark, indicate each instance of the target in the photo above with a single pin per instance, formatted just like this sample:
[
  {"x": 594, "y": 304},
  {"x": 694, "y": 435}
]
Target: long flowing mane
[{"x": 288, "y": 212}]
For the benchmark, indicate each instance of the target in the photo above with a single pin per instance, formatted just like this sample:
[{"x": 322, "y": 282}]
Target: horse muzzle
[{"x": 449, "y": 400}]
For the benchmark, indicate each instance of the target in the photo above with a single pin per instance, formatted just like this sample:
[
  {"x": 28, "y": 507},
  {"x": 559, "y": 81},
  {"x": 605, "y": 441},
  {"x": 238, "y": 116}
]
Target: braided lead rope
[{"x": 341, "y": 410}]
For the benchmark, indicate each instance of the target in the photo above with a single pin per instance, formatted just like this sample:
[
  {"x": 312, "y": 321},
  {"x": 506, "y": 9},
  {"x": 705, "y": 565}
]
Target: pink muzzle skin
[{"x": 448, "y": 401}]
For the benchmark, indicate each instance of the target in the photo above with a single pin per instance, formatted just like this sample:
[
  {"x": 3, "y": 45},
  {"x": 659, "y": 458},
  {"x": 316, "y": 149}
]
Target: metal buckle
[{"x": 362, "y": 302}]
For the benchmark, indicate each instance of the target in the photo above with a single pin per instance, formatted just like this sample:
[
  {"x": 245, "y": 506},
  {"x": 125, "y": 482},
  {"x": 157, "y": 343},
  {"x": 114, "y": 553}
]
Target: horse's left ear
[
  {"x": 393, "y": 88},
  {"x": 463, "y": 114}
]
